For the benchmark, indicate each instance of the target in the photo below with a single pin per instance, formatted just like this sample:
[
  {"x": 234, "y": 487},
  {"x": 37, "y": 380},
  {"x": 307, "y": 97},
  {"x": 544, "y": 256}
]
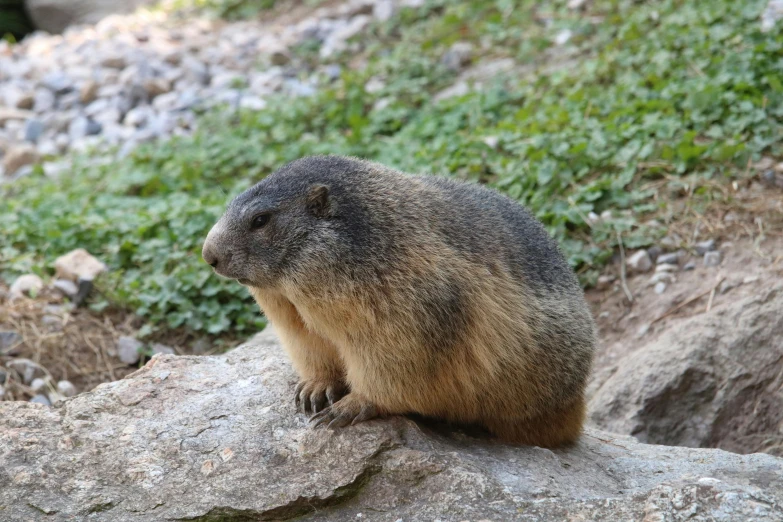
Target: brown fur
[{"x": 430, "y": 330}]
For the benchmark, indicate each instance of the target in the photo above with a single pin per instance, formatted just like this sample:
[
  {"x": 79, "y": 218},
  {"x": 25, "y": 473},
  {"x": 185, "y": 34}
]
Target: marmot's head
[{"x": 298, "y": 225}]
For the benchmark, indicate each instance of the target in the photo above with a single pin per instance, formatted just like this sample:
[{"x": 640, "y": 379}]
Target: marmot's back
[{"x": 484, "y": 222}]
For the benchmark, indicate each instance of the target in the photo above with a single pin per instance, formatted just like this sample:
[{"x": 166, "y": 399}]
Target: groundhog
[{"x": 396, "y": 294}]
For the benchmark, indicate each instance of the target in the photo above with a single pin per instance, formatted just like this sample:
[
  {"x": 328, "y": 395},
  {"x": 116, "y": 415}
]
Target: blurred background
[{"x": 645, "y": 136}]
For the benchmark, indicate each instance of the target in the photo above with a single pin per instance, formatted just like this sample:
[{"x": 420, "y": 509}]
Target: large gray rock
[
  {"x": 217, "y": 438},
  {"x": 55, "y": 15},
  {"x": 714, "y": 380}
]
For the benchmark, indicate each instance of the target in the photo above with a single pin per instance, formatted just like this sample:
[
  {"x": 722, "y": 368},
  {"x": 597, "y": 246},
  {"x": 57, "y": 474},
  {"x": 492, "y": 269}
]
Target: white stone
[
  {"x": 66, "y": 287},
  {"x": 639, "y": 262},
  {"x": 29, "y": 284},
  {"x": 128, "y": 350},
  {"x": 66, "y": 388},
  {"x": 662, "y": 277},
  {"x": 78, "y": 264},
  {"x": 38, "y": 385},
  {"x": 41, "y": 399}
]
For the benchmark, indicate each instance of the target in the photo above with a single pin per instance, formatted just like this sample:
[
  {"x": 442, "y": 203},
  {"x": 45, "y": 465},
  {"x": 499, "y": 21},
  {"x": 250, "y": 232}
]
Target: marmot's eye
[{"x": 259, "y": 221}]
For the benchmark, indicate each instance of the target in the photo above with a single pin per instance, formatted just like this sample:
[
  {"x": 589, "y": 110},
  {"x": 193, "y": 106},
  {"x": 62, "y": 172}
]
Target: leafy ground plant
[{"x": 643, "y": 102}]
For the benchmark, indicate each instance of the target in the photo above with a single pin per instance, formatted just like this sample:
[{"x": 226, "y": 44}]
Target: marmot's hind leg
[{"x": 550, "y": 430}]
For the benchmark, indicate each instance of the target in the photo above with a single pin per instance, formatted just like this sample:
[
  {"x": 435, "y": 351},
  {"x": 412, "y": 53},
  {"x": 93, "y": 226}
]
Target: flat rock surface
[{"x": 217, "y": 438}]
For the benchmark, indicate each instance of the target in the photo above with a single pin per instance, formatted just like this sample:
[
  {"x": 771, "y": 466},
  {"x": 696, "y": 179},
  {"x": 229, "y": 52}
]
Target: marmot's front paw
[
  {"x": 351, "y": 409},
  {"x": 313, "y": 394}
]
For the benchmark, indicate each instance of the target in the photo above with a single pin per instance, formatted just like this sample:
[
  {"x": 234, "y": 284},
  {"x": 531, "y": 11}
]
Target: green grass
[{"x": 669, "y": 92}]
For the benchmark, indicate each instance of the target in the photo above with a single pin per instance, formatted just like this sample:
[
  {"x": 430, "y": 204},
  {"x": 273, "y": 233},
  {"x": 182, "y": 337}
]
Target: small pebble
[
  {"x": 654, "y": 252},
  {"x": 665, "y": 277},
  {"x": 78, "y": 264},
  {"x": 604, "y": 281},
  {"x": 29, "y": 284},
  {"x": 690, "y": 265},
  {"x": 162, "y": 348},
  {"x": 750, "y": 279},
  {"x": 38, "y": 384},
  {"x": 55, "y": 397},
  {"x": 639, "y": 262},
  {"x": 33, "y": 128},
  {"x": 88, "y": 92},
  {"x": 9, "y": 340},
  {"x": 18, "y": 157},
  {"x": 666, "y": 267},
  {"x": 671, "y": 242},
  {"x": 128, "y": 349},
  {"x": 41, "y": 399},
  {"x": 712, "y": 259},
  {"x": 703, "y": 247},
  {"x": 660, "y": 288},
  {"x": 66, "y": 287},
  {"x": 672, "y": 258},
  {"x": 66, "y": 389},
  {"x": 26, "y": 368}
]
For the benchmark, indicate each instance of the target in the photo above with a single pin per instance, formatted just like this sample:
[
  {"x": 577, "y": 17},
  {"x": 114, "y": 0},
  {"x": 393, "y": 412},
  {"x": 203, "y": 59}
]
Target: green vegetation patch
[{"x": 643, "y": 96}]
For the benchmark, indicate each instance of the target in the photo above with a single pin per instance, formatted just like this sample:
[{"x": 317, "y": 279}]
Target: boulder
[
  {"x": 217, "y": 438},
  {"x": 712, "y": 380},
  {"x": 54, "y": 16}
]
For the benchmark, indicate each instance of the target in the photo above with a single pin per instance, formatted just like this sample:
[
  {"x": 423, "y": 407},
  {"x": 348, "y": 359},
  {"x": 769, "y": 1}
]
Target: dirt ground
[{"x": 751, "y": 247}]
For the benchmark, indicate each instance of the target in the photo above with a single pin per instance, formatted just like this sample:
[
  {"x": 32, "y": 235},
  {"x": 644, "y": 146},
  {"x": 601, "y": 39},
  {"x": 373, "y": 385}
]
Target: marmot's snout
[{"x": 216, "y": 254}]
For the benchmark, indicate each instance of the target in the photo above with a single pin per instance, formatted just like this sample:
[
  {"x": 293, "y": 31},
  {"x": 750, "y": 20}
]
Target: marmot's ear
[{"x": 318, "y": 201}]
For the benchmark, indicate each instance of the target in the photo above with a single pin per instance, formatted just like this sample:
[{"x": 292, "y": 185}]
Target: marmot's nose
[
  {"x": 209, "y": 255},
  {"x": 210, "y": 251},
  {"x": 217, "y": 258}
]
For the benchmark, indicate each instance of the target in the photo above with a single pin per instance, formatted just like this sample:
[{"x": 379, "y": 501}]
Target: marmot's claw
[
  {"x": 317, "y": 401},
  {"x": 332, "y": 395},
  {"x": 320, "y": 418},
  {"x": 348, "y": 410},
  {"x": 312, "y": 395},
  {"x": 297, "y": 397},
  {"x": 368, "y": 411}
]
